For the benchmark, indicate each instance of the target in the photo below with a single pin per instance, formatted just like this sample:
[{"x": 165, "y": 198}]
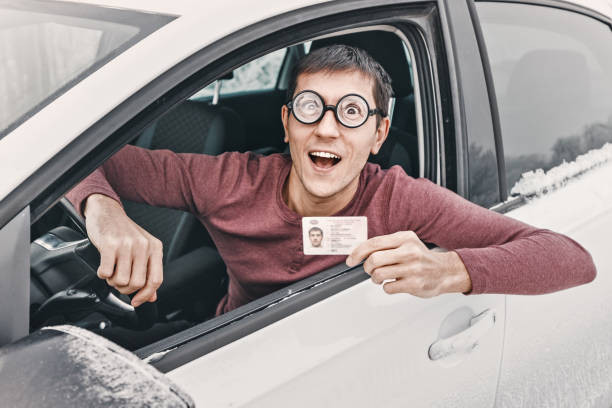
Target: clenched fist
[
  {"x": 406, "y": 265},
  {"x": 130, "y": 257}
]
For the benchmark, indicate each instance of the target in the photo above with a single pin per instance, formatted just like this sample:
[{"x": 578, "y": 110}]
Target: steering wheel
[{"x": 109, "y": 304}]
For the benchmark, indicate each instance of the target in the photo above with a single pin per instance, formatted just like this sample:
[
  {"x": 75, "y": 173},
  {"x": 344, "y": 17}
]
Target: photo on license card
[{"x": 333, "y": 235}]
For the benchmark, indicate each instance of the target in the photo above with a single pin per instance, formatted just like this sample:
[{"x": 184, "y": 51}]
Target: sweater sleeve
[
  {"x": 501, "y": 254},
  {"x": 184, "y": 181}
]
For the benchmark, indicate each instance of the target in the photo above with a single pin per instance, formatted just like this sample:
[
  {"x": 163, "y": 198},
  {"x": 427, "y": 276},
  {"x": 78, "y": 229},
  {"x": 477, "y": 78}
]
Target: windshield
[{"x": 48, "y": 47}]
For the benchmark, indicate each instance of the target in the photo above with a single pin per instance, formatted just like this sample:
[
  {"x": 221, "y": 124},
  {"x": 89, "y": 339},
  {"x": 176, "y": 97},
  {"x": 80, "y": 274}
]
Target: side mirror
[{"x": 62, "y": 366}]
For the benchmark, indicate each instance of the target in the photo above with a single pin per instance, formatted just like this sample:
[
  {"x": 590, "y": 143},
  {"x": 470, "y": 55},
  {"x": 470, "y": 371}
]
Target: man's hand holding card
[
  {"x": 400, "y": 262},
  {"x": 403, "y": 264}
]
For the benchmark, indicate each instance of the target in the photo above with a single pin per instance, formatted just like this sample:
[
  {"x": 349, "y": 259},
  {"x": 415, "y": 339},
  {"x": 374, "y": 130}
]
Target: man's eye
[
  {"x": 309, "y": 106},
  {"x": 352, "y": 110}
]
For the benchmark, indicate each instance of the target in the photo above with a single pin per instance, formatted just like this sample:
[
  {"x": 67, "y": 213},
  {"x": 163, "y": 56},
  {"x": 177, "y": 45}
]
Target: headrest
[
  {"x": 560, "y": 76},
  {"x": 385, "y": 47}
]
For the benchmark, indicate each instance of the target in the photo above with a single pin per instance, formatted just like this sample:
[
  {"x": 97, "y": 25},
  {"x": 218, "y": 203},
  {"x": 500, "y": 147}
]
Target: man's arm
[
  {"x": 491, "y": 253},
  {"x": 131, "y": 258},
  {"x": 188, "y": 182}
]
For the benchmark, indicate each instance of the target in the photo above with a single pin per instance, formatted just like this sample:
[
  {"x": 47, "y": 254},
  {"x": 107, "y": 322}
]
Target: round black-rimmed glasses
[{"x": 351, "y": 111}]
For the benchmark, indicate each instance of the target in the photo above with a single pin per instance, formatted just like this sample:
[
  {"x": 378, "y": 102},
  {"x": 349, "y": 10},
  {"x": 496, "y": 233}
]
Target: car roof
[
  {"x": 183, "y": 7},
  {"x": 236, "y": 9},
  {"x": 601, "y": 6}
]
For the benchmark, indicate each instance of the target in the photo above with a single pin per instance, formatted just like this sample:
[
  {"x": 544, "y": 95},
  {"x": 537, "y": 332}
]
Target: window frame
[
  {"x": 46, "y": 186},
  {"x": 176, "y": 350}
]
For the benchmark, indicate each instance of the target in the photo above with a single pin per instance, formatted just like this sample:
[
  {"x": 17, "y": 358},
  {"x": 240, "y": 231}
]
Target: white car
[{"x": 506, "y": 103}]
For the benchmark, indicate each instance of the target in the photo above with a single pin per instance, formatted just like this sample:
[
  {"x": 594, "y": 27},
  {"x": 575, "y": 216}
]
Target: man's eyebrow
[{"x": 326, "y": 100}]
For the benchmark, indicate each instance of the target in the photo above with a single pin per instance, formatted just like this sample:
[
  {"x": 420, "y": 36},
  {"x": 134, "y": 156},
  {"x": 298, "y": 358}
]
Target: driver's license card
[{"x": 333, "y": 235}]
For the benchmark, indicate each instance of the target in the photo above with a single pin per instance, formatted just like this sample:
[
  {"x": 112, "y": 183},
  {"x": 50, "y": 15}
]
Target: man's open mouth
[{"x": 324, "y": 160}]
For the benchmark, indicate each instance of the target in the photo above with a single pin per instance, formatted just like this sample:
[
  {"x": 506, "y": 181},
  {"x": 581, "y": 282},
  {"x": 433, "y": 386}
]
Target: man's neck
[{"x": 299, "y": 200}]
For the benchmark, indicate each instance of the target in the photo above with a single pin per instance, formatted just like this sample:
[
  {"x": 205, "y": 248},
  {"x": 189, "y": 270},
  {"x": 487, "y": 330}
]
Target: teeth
[{"x": 325, "y": 154}]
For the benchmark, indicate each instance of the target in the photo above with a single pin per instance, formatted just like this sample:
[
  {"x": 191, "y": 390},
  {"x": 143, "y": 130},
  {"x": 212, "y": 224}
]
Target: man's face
[
  {"x": 315, "y": 238},
  {"x": 324, "y": 177}
]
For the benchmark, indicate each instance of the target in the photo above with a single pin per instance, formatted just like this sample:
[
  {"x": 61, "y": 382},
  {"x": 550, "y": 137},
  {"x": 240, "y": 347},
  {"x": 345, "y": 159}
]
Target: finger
[
  {"x": 121, "y": 289},
  {"x": 139, "y": 270},
  {"x": 378, "y": 243},
  {"x": 382, "y": 258},
  {"x": 123, "y": 269},
  {"x": 393, "y": 287},
  {"x": 379, "y": 275},
  {"x": 108, "y": 257},
  {"x": 415, "y": 286},
  {"x": 155, "y": 276}
]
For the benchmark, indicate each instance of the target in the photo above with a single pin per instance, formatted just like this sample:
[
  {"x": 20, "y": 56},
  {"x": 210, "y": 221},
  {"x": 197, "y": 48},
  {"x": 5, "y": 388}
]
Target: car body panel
[
  {"x": 316, "y": 356},
  {"x": 241, "y": 10},
  {"x": 573, "y": 326},
  {"x": 601, "y": 6},
  {"x": 194, "y": 6},
  {"x": 14, "y": 266}
]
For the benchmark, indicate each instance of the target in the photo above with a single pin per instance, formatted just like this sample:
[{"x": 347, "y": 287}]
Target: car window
[
  {"x": 552, "y": 71},
  {"x": 195, "y": 279},
  {"x": 258, "y": 75},
  {"x": 47, "y": 48}
]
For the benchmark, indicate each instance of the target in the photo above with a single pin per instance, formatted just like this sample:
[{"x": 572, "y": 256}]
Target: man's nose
[{"x": 328, "y": 126}]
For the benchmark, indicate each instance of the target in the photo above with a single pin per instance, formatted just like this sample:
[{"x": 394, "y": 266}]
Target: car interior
[{"x": 64, "y": 286}]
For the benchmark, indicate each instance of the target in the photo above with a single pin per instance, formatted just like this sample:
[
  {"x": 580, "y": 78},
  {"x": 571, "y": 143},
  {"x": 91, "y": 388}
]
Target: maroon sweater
[{"x": 237, "y": 196}]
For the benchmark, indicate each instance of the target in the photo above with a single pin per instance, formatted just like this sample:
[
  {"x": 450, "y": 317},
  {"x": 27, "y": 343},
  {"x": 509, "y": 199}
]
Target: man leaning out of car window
[{"x": 252, "y": 205}]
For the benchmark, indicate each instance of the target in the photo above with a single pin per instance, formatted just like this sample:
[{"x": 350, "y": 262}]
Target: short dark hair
[
  {"x": 315, "y": 229},
  {"x": 340, "y": 57}
]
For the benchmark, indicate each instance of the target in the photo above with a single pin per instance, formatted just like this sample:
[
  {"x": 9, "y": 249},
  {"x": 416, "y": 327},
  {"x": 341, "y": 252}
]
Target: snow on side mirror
[{"x": 69, "y": 366}]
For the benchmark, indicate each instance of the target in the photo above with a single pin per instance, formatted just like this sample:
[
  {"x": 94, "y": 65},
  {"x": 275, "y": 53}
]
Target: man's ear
[
  {"x": 285, "y": 119},
  {"x": 381, "y": 134}
]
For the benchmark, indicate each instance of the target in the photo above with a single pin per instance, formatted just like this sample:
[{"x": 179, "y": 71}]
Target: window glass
[
  {"x": 552, "y": 71},
  {"x": 257, "y": 75},
  {"x": 45, "y": 49}
]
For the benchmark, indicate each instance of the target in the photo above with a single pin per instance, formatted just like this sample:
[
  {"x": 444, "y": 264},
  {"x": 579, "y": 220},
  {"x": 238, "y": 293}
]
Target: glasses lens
[
  {"x": 352, "y": 110},
  {"x": 307, "y": 107}
]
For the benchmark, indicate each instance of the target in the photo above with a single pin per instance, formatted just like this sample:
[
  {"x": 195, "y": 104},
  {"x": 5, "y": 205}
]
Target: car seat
[
  {"x": 194, "y": 272},
  {"x": 190, "y": 127}
]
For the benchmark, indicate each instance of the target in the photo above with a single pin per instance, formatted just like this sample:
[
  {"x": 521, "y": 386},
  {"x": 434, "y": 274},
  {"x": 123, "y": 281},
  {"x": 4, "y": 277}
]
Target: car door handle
[{"x": 465, "y": 340}]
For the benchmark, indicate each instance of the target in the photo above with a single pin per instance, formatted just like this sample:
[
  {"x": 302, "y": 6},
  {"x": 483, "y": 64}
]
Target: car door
[
  {"x": 359, "y": 346},
  {"x": 552, "y": 72}
]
